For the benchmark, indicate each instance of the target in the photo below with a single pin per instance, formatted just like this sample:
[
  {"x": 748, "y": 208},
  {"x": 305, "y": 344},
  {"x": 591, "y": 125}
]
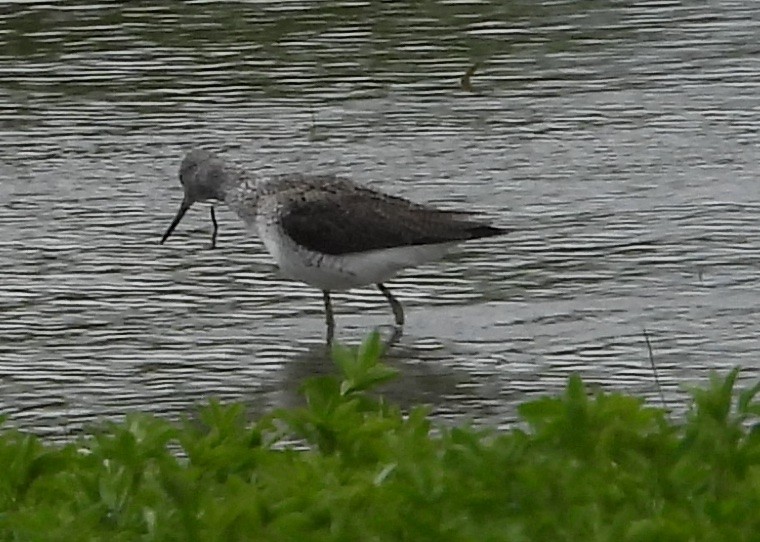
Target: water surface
[{"x": 616, "y": 140}]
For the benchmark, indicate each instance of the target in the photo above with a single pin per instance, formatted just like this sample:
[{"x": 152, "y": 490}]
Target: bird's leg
[
  {"x": 398, "y": 314},
  {"x": 398, "y": 310},
  {"x": 216, "y": 227},
  {"x": 395, "y": 336},
  {"x": 329, "y": 318}
]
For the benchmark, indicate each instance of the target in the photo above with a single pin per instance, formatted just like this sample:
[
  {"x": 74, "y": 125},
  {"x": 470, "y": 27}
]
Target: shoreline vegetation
[{"x": 349, "y": 465}]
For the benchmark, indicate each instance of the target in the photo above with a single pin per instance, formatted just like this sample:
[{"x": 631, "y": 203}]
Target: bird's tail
[{"x": 476, "y": 231}]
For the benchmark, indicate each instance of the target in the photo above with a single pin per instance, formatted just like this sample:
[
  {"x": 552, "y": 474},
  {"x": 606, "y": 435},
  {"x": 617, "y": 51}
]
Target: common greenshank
[{"x": 327, "y": 231}]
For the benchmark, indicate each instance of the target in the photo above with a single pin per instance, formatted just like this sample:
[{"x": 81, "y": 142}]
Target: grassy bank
[{"x": 581, "y": 467}]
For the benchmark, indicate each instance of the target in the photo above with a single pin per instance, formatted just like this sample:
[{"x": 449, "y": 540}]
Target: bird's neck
[{"x": 240, "y": 194}]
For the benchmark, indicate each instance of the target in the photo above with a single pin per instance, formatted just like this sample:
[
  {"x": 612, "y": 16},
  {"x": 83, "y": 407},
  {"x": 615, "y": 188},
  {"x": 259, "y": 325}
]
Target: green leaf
[
  {"x": 370, "y": 350},
  {"x": 746, "y": 399},
  {"x": 345, "y": 359}
]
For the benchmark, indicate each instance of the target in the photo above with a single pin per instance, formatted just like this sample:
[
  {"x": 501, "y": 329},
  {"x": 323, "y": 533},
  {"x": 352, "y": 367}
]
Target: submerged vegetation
[{"x": 351, "y": 466}]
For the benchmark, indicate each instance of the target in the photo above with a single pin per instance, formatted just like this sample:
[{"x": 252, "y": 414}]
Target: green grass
[{"x": 582, "y": 466}]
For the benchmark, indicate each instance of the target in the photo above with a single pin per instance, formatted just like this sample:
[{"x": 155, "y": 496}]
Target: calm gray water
[{"x": 617, "y": 139}]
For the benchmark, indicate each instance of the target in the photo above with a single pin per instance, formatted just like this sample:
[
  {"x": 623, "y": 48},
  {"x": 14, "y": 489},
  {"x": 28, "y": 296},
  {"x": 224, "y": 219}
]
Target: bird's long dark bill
[{"x": 182, "y": 210}]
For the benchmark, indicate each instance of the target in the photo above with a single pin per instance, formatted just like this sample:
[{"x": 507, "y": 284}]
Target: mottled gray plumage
[
  {"x": 335, "y": 216},
  {"x": 325, "y": 230},
  {"x": 363, "y": 220}
]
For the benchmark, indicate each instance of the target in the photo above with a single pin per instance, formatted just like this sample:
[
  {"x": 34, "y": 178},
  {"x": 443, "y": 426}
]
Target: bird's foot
[{"x": 390, "y": 334}]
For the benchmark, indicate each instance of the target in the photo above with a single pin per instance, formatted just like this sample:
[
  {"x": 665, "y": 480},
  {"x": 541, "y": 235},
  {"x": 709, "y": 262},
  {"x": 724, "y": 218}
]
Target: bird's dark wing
[{"x": 364, "y": 220}]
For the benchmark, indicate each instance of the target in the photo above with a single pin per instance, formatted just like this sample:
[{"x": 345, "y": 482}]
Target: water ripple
[{"x": 616, "y": 142}]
